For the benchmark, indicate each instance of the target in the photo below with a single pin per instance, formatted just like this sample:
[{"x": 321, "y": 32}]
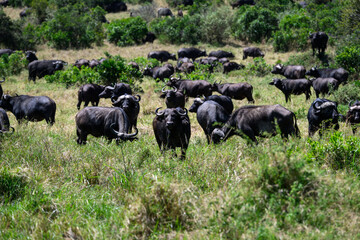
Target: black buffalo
[
  {"x": 172, "y": 129},
  {"x": 221, "y": 54},
  {"x": 31, "y": 56},
  {"x": 94, "y": 63},
  {"x": 210, "y": 115},
  {"x": 338, "y": 73},
  {"x": 4, "y": 3},
  {"x": 89, "y": 93},
  {"x": 223, "y": 60},
  {"x": 1, "y": 90},
  {"x": 116, "y": 91},
  {"x": 180, "y": 61},
  {"x": 324, "y": 85},
  {"x": 134, "y": 65},
  {"x": 81, "y": 62},
  {"x": 31, "y": 108},
  {"x": 130, "y": 104},
  {"x": 252, "y": 52},
  {"x": 293, "y": 86},
  {"x": 290, "y": 71},
  {"x": 192, "y": 53},
  {"x": 253, "y": 121},
  {"x": 232, "y": 66},
  {"x": 4, "y": 122},
  {"x": 115, "y": 7},
  {"x": 353, "y": 115},
  {"x": 322, "y": 115},
  {"x": 191, "y": 88},
  {"x": 158, "y": 72},
  {"x": 223, "y": 100},
  {"x": 113, "y": 123},
  {"x": 6, "y": 51},
  {"x": 43, "y": 68},
  {"x": 162, "y": 56},
  {"x": 318, "y": 41},
  {"x": 173, "y": 98},
  {"x": 237, "y": 91},
  {"x": 163, "y": 12},
  {"x": 150, "y": 37},
  {"x": 186, "y": 67},
  {"x": 239, "y": 3}
]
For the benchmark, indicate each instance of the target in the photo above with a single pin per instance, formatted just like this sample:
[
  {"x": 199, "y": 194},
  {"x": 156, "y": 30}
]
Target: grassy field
[{"x": 51, "y": 188}]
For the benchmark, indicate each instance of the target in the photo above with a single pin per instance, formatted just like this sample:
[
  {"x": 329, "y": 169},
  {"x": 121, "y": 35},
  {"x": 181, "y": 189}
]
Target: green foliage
[
  {"x": 254, "y": 24},
  {"x": 201, "y": 73},
  {"x": 348, "y": 57},
  {"x": 350, "y": 17},
  {"x": 73, "y": 76},
  {"x": 275, "y": 5},
  {"x": 13, "y": 64},
  {"x": 73, "y": 27},
  {"x": 19, "y": 3},
  {"x": 40, "y": 9},
  {"x": 258, "y": 67},
  {"x": 306, "y": 59},
  {"x": 146, "y": 62},
  {"x": 339, "y": 152},
  {"x": 11, "y": 186},
  {"x": 347, "y": 93},
  {"x": 127, "y": 31}
]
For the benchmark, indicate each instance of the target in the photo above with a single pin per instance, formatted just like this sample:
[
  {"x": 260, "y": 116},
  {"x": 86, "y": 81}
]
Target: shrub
[
  {"x": 347, "y": 93},
  {"x": 13, "y": 64},
  {"x": 146, "y": 12},
  {"x": 275, "y": 5},
  {"x": 259, "y": 67},
  {"x": 19, "y": 3},
  {"x": 254, "y": 24},
  {"x": 128, "y": 31},
  {"x": 146, "y": 62},
  {"x": 348, "y": 57}
]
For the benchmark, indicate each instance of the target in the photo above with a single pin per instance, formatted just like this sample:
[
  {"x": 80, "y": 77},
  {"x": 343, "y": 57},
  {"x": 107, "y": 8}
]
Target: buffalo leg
[
  {"x": 79, "y": 104},
  {"x": 249, "y": 133},
  {"x": 86, "y": 103},
  {"x": 82, "y": 137}
]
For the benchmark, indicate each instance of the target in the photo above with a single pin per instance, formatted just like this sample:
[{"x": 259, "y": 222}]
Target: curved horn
[
  {"x": 124, "y": 136},
  {"x": 175, "y": 89},
  {"x": 182, "y": 114},
  {"x": 138, "y": 98},
  {"x": 13, "y": 130},
  {"x": 2, "y": 80},
  {"x": 159, "y": 114},
  {"x": 316, "y": 107},
  {"x": 162, "y": 90},
  {"x": 110, "y": 87}
]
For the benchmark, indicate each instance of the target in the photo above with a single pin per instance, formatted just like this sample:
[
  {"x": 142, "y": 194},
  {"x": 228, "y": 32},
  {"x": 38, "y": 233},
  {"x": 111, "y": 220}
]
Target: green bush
[
  {"x": 275, "y": 5},
  {"x": 347, "y": 93},
  {"x": 146, "y": 62},
  {"x": 73, "y": 27},
  {"x": 254, "y": 24},
  {"x": 259, "y": 67},
  {"x": 348, "y": 57},
  {"x": 13, "y": 64},
  {"x": 126, "y": 32},
  {"x": 19, "y": 3}
]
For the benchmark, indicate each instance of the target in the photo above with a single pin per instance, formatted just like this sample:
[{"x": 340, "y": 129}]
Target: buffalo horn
[
  {"x": 175, "y": 89},
  {"x": 159, "y": 114},
  {"x": 124, "y": 135},
  {"x": 138, "y": 98},
  {"x": 2, "y": 80},
  {"x": 163, "y": 89},
  {"x": 315, "y": 106},
  {"x": 182, "y": 114}
]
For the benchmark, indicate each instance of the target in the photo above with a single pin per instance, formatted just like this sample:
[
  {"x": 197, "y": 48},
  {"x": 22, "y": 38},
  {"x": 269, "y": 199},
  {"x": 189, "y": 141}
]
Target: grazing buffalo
[
  {"x": 180, "y": 13},
  {"x": 163, "y": 12},
  {"x": 339, "y": 74},
  {"x": 130, "y": 104},
  {"x": 173, "y": 98},
  {"x": 253, "y": 121},
  {"x": 322, "y": 115},
  {"x": 221, "y": 54},
  {"x": 162, "y": 56},
  {"x": 353, "y": 115},
  {"x": 113, "y": 123},
  {"x": 252, "y": 52},
  {"x": 134, "y": 65},
  {"x": 210, "y": 115},
  {"x": 324, "y": 85},
  {"x": 31, "y": 56},
  {"x": 150, "y": 37},
  {"x": 318, "y": 41},
  {"x": 237, "y": 91},
  {"x": 191, "y": 88},
  {"x": 290, "y": 71},
  {"x": 223, "y": 60},
  {"x": 81, "y": 62},
  {"x": 158, "y": 72},
  {"x": 180, "y": 61},
  {"x": 93, "y": 63},
  {"x": 172, "y": 129},
  {"x": 4, "y": 3},
  {"x": 170, "y": 66},
  {"x": 89, "y": 93},
  {"x": 6, "y": 51},
  {"x": 115, "y": 7},
  {"x": 1, "y": 90},
  {"x": 232, "y": 66},
  {"x": 116, "y": 91},
  {"x": 31, "y": 108},
  {"x": 186, "y": 67},
  {"x": 43, "y": 68},
  {"x": 24, "y": 13},
  {"x": 4, "y": 122},
  {"x": 223, "y": 100},
  {"x": 239, "y": 3},
  {"x": 293, "y": 86},
  {"x": 192, "y": 53}
]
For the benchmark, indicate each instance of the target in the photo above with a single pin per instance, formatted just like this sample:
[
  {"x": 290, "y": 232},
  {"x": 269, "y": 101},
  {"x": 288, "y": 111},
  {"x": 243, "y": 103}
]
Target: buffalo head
[
  {"x": 173, "y": 118},
  {"x": 277, "y": 69},
  {"x": 197, "y": 103},
  {"x": 127, "y": 102}
]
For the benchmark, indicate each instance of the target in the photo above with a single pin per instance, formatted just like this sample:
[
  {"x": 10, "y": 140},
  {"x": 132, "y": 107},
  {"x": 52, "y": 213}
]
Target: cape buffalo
[
  {"x": 172, "y": 129},
  {"x": 232, "y": 66},
  {"x": 252, "y": 52},
  {"x": 43, "y": 68},
  {"x": 192, "y": 53},
  {"x": 191, "y": 88},
  {"x": 134, "y": 65},
  {"x": 239, "y": 3},
  {"x": 116, "y": 91},
  {"x": 223, "y": 100},
  {"x": 6, "y": 51},
  {"x": 162, "y": 56},
  {"x": 4, "y": 3},
  {"x": 318, "y": 41},
  {"x": 150, "y": 37},
  {"x": 1, "y": 90},
  {"x": 338, "y": 73},
  {"x": 290, "y": 71},
  {"x": 237, "y": 91},
  {"x": 4, "y": 122},
  {"x": 173, "y": 98},
  {"x": 31, "y": 108},
  {"x": 293, "y": 86},
  {"x": 221, "y": 54},
  {"x": 210, "y": 115},
  {"x": 180, "y": 61},
  {"x": 186, "y": 67},
  {"x": 158, "y": 72},
  {"x": 81, "y": 62},
  {"x": 163, "y": 12},
  {"x": 322, "y": 115},
  {"x": 89, "y": 93},
  {"x": 253, "y": 121},
  {"x": 113, "y": 123},
  {"x": 353, "y": 115},
  {"x": 115, "y": 7},
  {"x": 93, "y": 63},
  {"x": 324, "y": 85},
  {"x": 130, "y": 105},
  {"x": 30, "y": 56}
]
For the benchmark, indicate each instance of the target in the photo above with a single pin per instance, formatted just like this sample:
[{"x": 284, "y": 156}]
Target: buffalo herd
[{"x": 214, "y": 113}]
